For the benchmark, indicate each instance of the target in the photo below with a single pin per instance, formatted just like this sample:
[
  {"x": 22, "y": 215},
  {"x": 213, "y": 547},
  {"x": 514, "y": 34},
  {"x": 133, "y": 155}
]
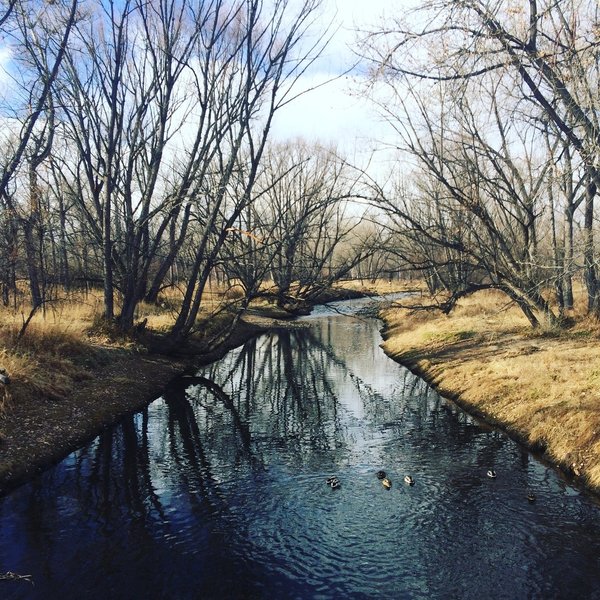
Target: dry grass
[
  {"x": 68, "y": 338},
  {"x": 57, "y": 351},
  {"x": 380, "y": 286},
  {"x": 64, "y": 342},
  {"x": 543, "y": 386},
  {"x": 53, "y": 355}
]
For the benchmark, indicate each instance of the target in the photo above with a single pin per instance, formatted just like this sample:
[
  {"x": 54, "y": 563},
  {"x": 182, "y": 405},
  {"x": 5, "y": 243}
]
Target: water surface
[{"x": 218, "y": 490}]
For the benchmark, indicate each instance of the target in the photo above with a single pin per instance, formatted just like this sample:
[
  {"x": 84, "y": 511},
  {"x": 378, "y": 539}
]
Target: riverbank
[
  {"x": 37, "y": 430},
  {"x": 541, "y": 387},
  {"x": 71, "y": 379}
]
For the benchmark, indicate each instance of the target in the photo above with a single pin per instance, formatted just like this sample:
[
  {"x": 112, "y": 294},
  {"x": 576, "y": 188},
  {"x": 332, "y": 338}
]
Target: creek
[{"x": 218, "y": 490}]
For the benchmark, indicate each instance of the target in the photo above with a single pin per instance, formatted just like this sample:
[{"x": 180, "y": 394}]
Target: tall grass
[
  {"x": 65, "y": 339},
  {"x": 50, "y": 356}
]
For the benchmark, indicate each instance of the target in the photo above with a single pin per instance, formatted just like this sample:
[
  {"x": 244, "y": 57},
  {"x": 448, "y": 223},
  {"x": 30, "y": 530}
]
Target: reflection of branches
[
  {"x": 280, "y": 366},
  {"x": 131, "y": 469},
  {"x": 136, "y": 467},
  {"x": 365, "y": 390},
  {"x": 145, "y": 468},
  {"x": 240, "y": 426},
  {"x": 120, "y": 463},
  {"x": 293, "y": 369},
  {"x": 242, "y": 356},
  {"x": 101, "y": 471},
  {"x": 182, "y": 416}
]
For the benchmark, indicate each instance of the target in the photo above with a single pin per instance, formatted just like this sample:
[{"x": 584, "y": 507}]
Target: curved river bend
[{"x": 218, "y": 490}]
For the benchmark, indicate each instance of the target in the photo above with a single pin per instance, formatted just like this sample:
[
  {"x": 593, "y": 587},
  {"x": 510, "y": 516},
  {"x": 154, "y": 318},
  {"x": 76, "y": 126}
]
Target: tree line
[
  {"x": 136, "y": 153},
  {"x": 495, "y": 106},
  {"x": 136, "y": 156}
]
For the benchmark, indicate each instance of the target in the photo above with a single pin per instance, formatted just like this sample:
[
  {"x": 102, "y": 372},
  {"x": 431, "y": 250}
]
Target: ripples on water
[{"x": 218, "y": 491}]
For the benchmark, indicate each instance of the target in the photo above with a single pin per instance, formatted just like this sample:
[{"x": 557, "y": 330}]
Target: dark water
[{"x": 218, "y": 490}]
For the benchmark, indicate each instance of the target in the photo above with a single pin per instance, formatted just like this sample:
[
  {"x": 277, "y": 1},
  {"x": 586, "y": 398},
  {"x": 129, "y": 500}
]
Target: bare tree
[
  {"x": 302, "y": 229},
  {"x": 260, "y": 77},
  {"x": 472, "y": 218},
  {"x": 546, "y": 53},
  {"x": 41, "y": 34},
  {"x": 166, "y": 104}
]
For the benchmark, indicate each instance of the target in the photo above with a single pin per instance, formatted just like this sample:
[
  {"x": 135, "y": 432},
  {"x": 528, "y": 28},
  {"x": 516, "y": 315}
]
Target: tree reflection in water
[{"x": 223, "y": 479}]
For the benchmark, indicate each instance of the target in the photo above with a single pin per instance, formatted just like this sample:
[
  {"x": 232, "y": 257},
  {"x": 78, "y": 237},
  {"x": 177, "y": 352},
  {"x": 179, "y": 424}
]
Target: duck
[
  {"x": 491, "y": 473},
  {"x": 381, "y": 475},
  {"x": 530, "y": 496},
  {"x": 409, "y": 480},
  {"x": 386, "y": 483},
  {"x": 333, "y": 482}
]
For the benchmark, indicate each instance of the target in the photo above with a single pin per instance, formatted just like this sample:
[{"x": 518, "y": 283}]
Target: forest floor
[{"x": 541, "y": 386}]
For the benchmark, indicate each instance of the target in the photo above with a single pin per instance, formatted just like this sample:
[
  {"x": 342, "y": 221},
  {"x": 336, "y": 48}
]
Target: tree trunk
[
  {"x": 30, "y": 232},
  {"x": 175, "y": 243},
  {"x": 64, "y": 274},
  {"x": 591, "y": 280},
  {"x": 107, "y": 263},
  {"x": 568, "y": 259}
]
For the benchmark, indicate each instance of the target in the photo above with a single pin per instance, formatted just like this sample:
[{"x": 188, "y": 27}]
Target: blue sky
[{"x": 338, "y": 113}]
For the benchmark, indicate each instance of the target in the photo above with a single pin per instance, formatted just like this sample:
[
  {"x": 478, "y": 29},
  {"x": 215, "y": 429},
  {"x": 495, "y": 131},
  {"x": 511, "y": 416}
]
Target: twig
[{"x": 10, "y": 576}]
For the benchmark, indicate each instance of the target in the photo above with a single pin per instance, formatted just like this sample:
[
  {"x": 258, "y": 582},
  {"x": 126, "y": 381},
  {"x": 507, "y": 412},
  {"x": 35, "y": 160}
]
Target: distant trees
[
  {"x": 497, "y": 103},
  {"x": 135, "y": 153},
  {"x": 299, "y": 232}
]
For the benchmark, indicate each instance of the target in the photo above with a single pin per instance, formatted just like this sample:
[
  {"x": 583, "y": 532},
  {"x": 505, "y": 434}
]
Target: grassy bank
[
  {"x": 543, "y": 387},
  {"x": 70, "y": 377}
]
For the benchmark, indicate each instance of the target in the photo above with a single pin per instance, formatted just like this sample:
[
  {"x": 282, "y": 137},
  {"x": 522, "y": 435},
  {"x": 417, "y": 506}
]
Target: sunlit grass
[
  {"x": 66, "y": 337},
  {"x": 484, "y": 315},
  {"x": 380, "y": 286},
  {"x": 542, "y": 385},
  {"x": 52, "y": 354}
]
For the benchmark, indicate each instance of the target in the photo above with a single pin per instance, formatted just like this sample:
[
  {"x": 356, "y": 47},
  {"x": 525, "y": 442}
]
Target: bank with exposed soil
[
  {"x": 36, "y": 432},
  {"x": 542, "y": 388}
]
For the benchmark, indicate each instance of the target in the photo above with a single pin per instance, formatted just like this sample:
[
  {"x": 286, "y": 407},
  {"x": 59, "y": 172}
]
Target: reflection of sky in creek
[
  {"x": 218, "y": 490},
  {"x": 337, "y": 371}
]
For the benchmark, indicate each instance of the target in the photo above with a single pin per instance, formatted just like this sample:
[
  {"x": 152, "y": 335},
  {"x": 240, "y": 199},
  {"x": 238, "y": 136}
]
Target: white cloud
[
  {"x": 5, "y": 58},
  {"x": 333, "y": 114},
  {"x": 337, "y": 113}
]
